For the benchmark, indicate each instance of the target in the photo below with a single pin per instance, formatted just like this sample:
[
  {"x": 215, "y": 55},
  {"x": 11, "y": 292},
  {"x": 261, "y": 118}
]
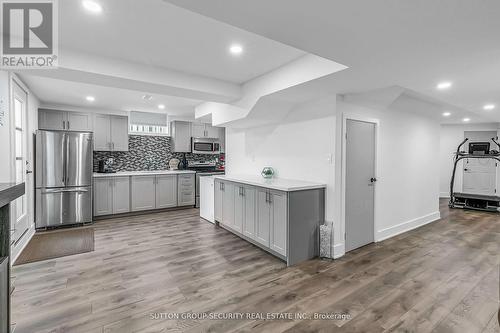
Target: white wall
[
  {"x": 451, "y": 136},
  {"x": 300, "y": 147}
]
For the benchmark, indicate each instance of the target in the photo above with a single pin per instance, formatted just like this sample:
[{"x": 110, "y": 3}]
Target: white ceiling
[
  {"x": 54, "y": 92},
  {"x": 154, "y": 32},
  {"x": 412, "y": 44}
]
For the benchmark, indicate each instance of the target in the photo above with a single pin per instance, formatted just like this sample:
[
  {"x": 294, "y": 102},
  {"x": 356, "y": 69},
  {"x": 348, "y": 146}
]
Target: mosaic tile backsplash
[{"x": 146, "y": 153}]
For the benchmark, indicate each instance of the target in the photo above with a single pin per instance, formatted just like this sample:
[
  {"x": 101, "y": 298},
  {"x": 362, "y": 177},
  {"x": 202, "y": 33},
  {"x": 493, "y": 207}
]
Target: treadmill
[{"x": 477, "y": 150}]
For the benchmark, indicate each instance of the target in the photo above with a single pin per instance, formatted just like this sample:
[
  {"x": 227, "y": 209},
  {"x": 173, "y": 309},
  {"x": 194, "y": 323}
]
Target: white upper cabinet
[
  {"x": 198, "y": 130},
  {"x": 77, "y": 121},
  {"x": 110, "y": 133},
  {"x": 181, "y": 136},
  {"x": 64, "y": 120},
  {"x": 202, "y": 130},
  {"x": 211, "y": 131},
  {"x": 119, "y": 133},
  {"x": 102, "y": 134},
  {"x": 51, "y": 120}
]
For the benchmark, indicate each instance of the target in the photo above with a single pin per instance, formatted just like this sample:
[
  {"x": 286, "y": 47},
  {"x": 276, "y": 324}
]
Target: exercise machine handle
[
  {"x": 496, "y": 142},
  {"x": 461, "y": 144}
]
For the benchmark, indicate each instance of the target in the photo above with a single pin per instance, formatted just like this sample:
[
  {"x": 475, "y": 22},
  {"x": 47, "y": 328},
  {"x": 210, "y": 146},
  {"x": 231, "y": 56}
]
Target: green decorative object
[{"x": 267, "y": 172}]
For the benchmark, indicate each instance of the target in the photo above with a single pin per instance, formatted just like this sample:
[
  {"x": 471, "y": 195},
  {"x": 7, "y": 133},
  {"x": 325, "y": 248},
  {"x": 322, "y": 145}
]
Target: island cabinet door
[
  {"x": 121, "y": 195},
  {"x": 278, "y": 206},
  {"x": 143, "y": 193},
  {"x": 218, "y": 200},
  {"x": 228, "y": 204},
  {"x": 239, "y": 208},
  {"x": 249, "y": 213},
  {"x": 263, "y": 217}
]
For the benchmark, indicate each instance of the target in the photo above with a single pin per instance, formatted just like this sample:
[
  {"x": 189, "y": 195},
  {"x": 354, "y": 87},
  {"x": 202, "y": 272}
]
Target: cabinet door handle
[
  {"x": 267, "y": 200},
  {"x": 67, "y": 123},
  {"x": 270, "y": 198},
  {"x": 64, "y": 124}
]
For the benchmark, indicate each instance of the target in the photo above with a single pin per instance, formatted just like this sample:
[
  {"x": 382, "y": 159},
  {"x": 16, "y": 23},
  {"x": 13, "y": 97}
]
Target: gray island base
[{"x": 280, "y": 216}]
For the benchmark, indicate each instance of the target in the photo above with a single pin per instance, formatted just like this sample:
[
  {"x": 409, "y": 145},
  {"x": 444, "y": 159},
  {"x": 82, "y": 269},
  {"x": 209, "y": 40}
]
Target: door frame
[{"x": 376, "y": 122}]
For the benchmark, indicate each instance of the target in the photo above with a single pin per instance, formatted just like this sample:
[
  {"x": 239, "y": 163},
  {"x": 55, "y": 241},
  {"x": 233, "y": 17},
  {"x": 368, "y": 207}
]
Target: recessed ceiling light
[
  {"x": 161, "y": 106},
  {"x": 147, "y": 97},
  {"x": 446, "y": 114},
  {"x": 489, "y": 107},
  {"x": 236, "y": 49},
  {"x": 466, "y": 120},
  {"x": 444, "y": 85},
  {"x": 90, "y": 98},
  {"x": 92, "y": 6}
]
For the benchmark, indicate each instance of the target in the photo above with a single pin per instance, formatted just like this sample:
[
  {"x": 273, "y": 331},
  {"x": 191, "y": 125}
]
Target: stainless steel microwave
[{"x": 205, "y": 146}]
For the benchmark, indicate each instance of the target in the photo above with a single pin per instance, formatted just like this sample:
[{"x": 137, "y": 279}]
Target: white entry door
[
  {"x": 360, "y": 184},
  {"x": 480, "y": 174},
  {"x": 20, "y": 208}
]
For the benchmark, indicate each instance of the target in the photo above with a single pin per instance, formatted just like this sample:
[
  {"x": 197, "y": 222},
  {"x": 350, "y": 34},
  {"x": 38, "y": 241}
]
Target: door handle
[
  {"x": 80, "y": 190},
  {"x": 373, "y": 179},
  {"x": 29, "y": 171}
]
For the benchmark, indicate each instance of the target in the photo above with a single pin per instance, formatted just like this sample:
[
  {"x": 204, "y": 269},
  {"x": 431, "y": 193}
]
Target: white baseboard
[
  {"x": 444, "y": 194},
  {"x": 338, "y": 250},
  {"x": 16, "y": 251},
  {"x": 406, "y": 226}
]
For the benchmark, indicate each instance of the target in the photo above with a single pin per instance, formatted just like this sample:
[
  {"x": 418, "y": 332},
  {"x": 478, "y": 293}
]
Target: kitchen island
[
  {"x": 8, "y": 193},
  {"x": 281, "y": 216}
]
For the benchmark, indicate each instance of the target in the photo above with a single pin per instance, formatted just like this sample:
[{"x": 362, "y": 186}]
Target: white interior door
[
  {"x": 20, "y": 215},
  {"x": 479, "y": 175},
  {"x": 360, "y": 184}
]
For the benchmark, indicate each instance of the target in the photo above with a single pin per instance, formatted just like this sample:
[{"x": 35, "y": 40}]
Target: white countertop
[
  {"x": 287, "y": 185},
  {"x": 141, "y": 173}
]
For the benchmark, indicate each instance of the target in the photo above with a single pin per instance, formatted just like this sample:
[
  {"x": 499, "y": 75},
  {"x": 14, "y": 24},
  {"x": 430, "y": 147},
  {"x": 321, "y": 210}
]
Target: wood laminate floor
[{"x": 443, "y": 277}]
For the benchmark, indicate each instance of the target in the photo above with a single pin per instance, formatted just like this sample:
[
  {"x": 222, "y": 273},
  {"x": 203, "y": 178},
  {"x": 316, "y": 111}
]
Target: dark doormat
[{"x": 57, "y": 243}]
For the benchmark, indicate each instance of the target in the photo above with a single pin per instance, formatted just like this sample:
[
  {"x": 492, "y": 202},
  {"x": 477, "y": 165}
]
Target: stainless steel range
[{"x": 202, "y": 169}]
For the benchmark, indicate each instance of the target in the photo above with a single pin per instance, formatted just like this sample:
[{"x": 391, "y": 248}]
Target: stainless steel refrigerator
[{"x": 63, "y": 178}]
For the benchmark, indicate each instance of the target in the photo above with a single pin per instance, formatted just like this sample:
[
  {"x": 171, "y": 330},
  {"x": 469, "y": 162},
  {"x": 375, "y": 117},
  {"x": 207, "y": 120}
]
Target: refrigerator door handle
[
  {"x": 63, "y": 190},
  {"x": 65, "y": 159}
]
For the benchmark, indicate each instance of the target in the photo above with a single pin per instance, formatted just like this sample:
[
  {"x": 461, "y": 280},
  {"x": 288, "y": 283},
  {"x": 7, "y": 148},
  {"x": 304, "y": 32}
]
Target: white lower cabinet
[
  {"x": 278, "y": 210},
  {"x": 249, "y": 220},
  {"x": 263, "y": 222},
  {"x": 228, "y": 204},
  {"x": 244, "y": 210},
  {"x": 121, "y": 195},
  {"x": 186, "y": 191},
  {"x": 143, "y": 192},
  {"x": 259, "y": 214},
  {"x": 218, "y": 200},
  {"x": 103, "y": 196},
  {"x": 111, "y": 195},
  {"x": 166, "y": 191}
]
